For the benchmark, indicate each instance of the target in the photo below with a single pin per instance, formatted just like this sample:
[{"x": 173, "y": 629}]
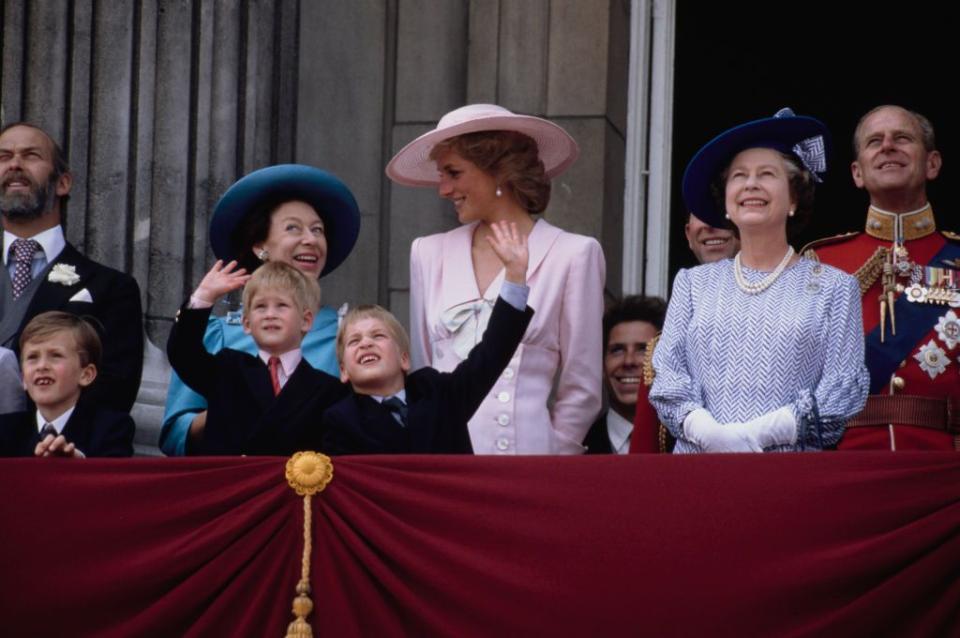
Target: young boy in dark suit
[
  {"x": 59, "y": 354},
  {"x": 258, "y": 405},
  {"x": 390, "y": 411}
]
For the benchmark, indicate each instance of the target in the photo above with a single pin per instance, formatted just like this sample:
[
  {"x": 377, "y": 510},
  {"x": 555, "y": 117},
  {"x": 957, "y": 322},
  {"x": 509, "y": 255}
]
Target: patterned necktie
[
  {"x": 398, "y": 409},
  {"x": 274, "y": 365},
  {"x": 23, "y": 251},
  {"x": 48, "y": 429}
]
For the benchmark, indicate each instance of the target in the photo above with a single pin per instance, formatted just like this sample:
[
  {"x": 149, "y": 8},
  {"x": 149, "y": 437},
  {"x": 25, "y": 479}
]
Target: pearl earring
[
  {"x": 791, "y": 212},
  {"x": 499, "y": 192},
  {"x": 727, "y": 215},
  {"x": 262, "y": 254}
]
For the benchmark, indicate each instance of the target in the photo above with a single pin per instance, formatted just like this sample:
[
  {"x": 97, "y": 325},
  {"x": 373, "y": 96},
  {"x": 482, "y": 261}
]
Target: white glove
[
  {"x": 773, "y": 428},
  {"x": 700, "y": 427}
]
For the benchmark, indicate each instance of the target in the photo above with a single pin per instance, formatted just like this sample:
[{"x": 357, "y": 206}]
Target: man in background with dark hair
[
  {"x": 909, "y": 274},
  {"x": 628, "y": 326},
  {"x": 43, "y": 272},
  {"x": 709, "y": 244}
]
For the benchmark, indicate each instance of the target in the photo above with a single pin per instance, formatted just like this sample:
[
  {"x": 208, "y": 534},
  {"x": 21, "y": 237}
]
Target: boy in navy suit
[
  {"x": 59, "y": 354},
  {"x": 390, "y": 411},
  {"x": 267, "y": 404}
]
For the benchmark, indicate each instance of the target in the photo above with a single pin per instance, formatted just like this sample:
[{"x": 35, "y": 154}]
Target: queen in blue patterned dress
[{"x": 763, "y": 352}]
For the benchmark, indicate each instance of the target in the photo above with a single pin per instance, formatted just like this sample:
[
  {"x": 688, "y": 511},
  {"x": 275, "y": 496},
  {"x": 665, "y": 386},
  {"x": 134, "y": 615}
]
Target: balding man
[{"x": 909, "y": 277}]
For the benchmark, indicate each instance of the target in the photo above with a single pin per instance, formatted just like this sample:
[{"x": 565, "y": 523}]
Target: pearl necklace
[{"x": 766, "y": 282}]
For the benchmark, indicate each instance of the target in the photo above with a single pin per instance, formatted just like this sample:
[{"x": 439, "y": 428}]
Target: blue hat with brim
[
  {"x": 274, "y": 185},
  {"x": 804, "y": 137}
]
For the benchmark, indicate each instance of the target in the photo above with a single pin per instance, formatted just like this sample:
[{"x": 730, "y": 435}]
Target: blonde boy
[
  {"x": 391, "y": 411},
  {"x": 264, "y": 404},
  {"x": 59, "y": 356}
]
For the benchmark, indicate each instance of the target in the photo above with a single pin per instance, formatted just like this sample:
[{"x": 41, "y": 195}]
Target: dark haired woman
[
  {"x": 763, "y": 352},
  {"x": 494, "y": 166},
  {"x": 296, "y": 214}
]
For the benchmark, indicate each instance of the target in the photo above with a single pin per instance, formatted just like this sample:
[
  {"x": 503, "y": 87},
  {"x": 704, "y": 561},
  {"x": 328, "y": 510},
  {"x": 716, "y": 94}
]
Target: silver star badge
[
  {"x": 948, "y": 329},
  {"x": 932, "y": 359}
]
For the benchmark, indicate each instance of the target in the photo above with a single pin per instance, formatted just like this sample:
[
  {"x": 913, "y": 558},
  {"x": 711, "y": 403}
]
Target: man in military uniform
[{"x": 909, "y": 278}]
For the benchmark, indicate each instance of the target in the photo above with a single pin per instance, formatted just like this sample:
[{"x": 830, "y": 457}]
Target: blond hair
[
  {"x": 49, "y": 324},
  {"x": 280, "y": 277},
  {"x": 372, "y": 311}
]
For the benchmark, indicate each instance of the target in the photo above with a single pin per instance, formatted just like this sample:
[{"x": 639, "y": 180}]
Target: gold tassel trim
[
  {"x": 307, "y": 473},
  {"x": 648, "y": 372},
  {"x": 871, "y": 269}
]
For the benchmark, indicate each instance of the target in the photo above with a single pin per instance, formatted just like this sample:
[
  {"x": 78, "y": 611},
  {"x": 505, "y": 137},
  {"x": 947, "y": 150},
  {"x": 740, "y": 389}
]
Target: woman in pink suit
[{"x": 496, "y": 166}]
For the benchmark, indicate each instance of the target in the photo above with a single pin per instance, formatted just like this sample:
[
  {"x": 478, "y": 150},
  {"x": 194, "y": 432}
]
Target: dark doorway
[{"x": 741, "y": 61}]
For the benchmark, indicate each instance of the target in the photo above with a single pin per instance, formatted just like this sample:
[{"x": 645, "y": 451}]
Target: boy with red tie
[{"x": 266, "y": 404}]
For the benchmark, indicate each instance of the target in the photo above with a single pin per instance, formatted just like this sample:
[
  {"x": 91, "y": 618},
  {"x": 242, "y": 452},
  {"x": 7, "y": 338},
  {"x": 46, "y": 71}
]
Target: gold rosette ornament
[{"x": 307, "y": 473}]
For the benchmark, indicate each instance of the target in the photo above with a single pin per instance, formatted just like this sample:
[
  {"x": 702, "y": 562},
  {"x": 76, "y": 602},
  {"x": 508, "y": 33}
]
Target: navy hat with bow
[{"x": 804, "y": 137}]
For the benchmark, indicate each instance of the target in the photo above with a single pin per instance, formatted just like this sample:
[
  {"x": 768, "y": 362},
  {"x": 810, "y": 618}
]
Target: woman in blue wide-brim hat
[
  {"x": 762, "y": 352},
  {"x": 293, "y": 213}
]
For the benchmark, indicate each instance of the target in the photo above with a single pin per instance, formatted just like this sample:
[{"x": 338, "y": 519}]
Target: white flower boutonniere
[{"x": 65, "y": 274}]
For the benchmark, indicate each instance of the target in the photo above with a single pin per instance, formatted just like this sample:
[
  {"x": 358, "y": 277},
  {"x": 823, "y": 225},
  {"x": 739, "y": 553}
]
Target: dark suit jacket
[
  {"x": 116, "y": 305},
  {"x": 243, "y": 415},
  {"x": 597, "y": 440},
  {"x": 438, "y": 404},
  {"x": 95, "y": 431}
]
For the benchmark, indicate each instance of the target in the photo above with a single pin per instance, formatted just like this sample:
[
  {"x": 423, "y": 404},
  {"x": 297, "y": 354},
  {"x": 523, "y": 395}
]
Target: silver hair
[{"x": 923, "y": 123}]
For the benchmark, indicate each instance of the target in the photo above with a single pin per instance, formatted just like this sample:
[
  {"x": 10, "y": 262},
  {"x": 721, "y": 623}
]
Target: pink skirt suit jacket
[{"x": 561, "y": 352}]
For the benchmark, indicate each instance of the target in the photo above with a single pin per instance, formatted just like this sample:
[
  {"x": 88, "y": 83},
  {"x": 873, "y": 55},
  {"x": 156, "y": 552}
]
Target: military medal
[
  {"x": 948, "y": 329},
  {"x": 935, "y": 285},
  {"x": 932, "y": 359}
]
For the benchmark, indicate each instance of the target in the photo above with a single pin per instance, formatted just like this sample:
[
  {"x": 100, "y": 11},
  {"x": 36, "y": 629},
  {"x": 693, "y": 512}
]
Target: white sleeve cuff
[
  {"x": 514, "y": 294},
  {"x": 197, "y": 303}
]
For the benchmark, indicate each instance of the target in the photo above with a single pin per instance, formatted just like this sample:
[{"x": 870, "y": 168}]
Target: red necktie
[{"x": 274, "y": 365}]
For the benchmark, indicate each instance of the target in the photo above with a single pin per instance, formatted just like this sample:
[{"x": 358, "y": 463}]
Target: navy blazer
[
  {"x": 94, "y": 431},
  {"x": 243, "y": 415},
  {"x": 116, "y": 305},
  {"x": 439, "y": 404}
]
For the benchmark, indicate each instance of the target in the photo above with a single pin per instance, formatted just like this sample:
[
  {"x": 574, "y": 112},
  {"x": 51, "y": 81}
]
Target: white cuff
[
  {"x": 198, "y": 303},
  {"x": 515, "y": 294}
]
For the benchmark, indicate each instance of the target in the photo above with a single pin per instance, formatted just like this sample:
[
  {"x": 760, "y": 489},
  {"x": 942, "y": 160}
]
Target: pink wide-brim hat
[{"x": 412, "y": 165}]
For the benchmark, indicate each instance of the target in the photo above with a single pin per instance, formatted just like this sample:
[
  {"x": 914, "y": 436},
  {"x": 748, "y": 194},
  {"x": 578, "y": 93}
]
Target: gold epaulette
[
  {"x": 809, "y": 252},
  {"x": 648, "y": 372},
  {"x": 871, "y": 269},
  {"x": 949, "y": 234},
  {"x": 664, "y": 440}
]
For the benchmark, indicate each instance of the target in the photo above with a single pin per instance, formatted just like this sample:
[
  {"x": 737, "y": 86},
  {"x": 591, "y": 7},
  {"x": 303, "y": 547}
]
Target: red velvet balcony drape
[{"x": 846, "y": 544}]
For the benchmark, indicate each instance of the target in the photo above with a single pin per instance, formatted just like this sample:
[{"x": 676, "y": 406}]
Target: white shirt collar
[
  {"x": 619, "y": 431},
  {"x": 401, "y": 394},
  {"x": 58, "y": 423},
  {"x": 288, "y": 362},
  {"x": 51, "y": 240}
]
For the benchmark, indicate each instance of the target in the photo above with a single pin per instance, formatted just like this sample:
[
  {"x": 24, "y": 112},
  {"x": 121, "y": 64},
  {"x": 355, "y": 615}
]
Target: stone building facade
[{"x": 162, "y": 104}]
